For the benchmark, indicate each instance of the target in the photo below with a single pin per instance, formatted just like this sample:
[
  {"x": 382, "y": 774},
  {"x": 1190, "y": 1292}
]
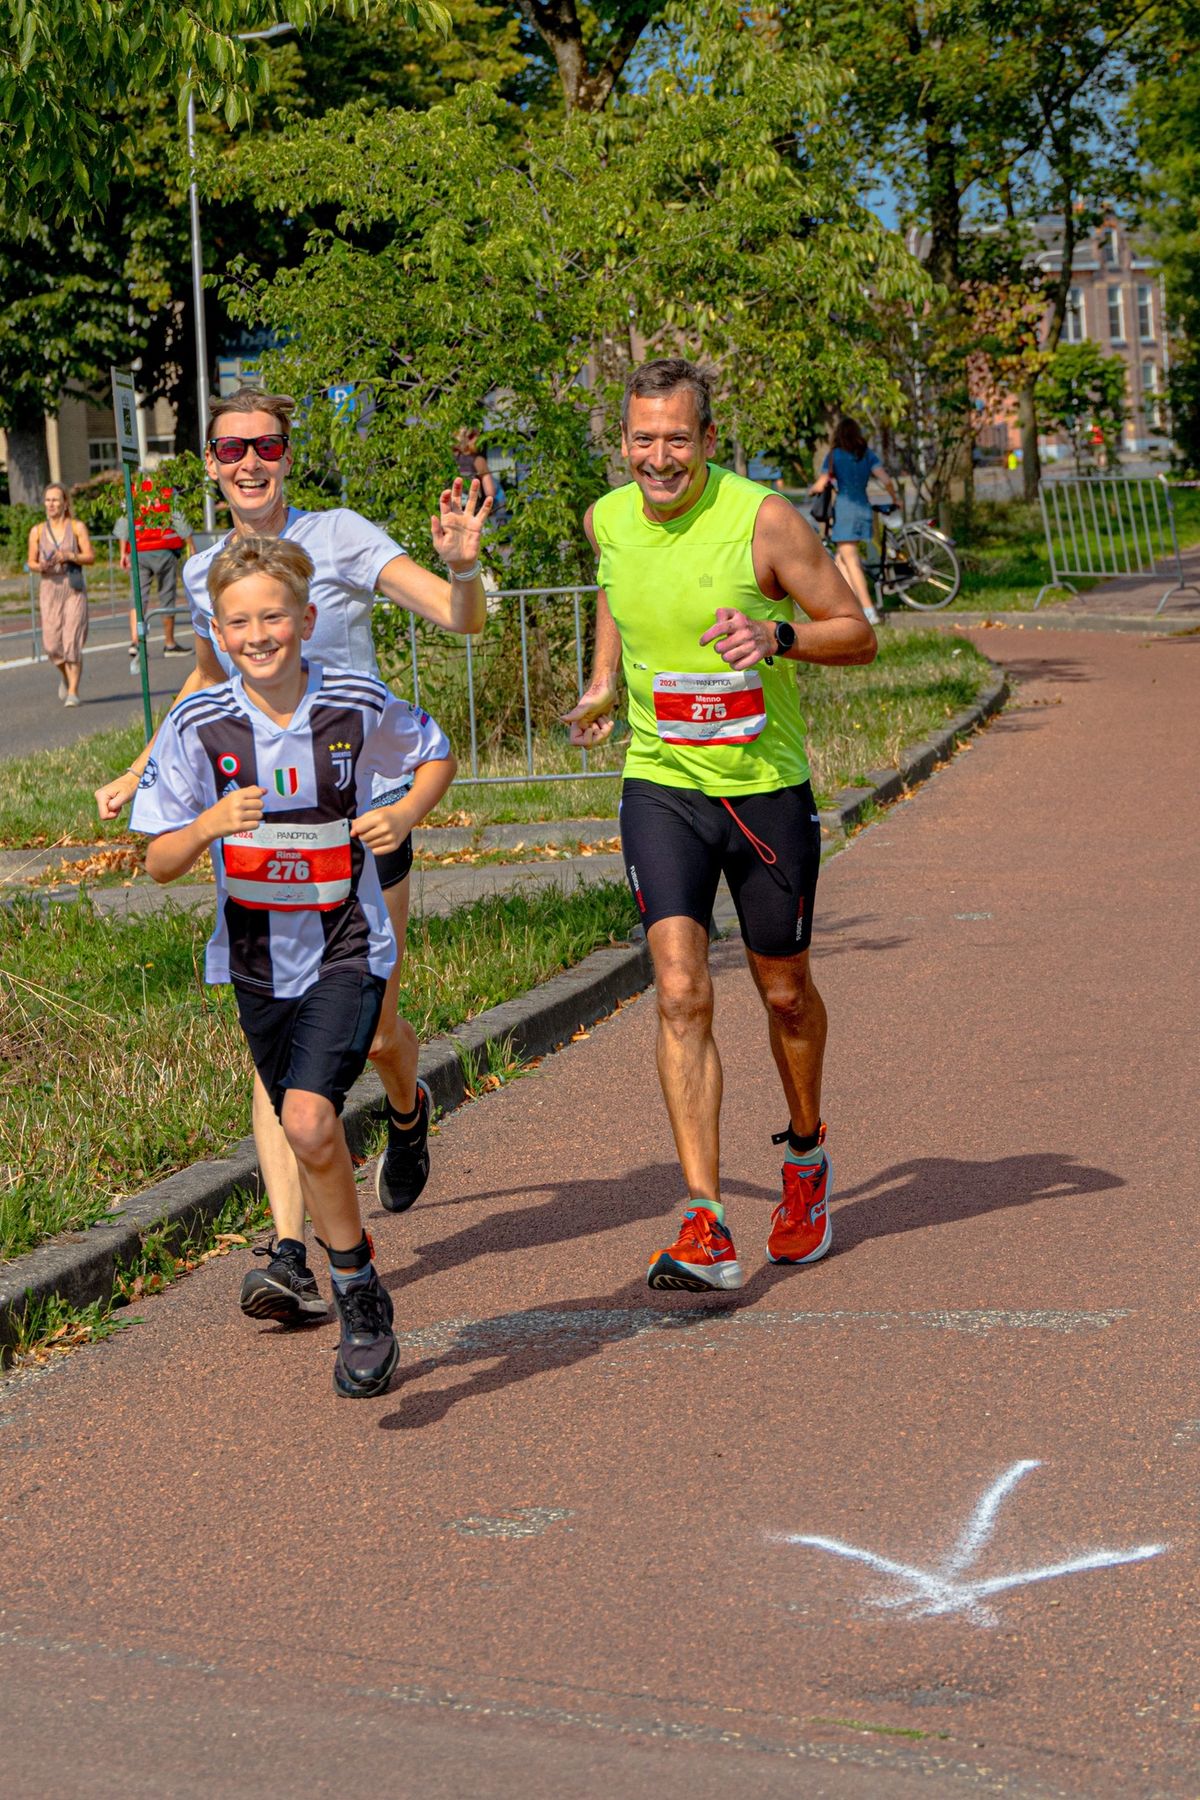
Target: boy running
[{"x": 276, "y": 771}]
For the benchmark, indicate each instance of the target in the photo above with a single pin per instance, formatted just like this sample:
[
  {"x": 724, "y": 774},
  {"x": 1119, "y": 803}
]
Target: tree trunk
[
  {"x": 1031, "y": 462},
  {"x": 28, "y": 463},
  {"x": 585, "y": 89}
]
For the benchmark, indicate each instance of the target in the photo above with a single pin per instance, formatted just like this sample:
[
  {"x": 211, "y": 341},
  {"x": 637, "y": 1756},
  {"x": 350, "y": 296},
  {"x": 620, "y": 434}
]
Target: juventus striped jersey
[{"x": 298, "y": 894}]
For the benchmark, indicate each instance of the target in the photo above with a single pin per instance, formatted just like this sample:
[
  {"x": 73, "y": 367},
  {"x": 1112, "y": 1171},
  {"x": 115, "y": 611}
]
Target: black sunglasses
[{"x": 270, "y": 447}]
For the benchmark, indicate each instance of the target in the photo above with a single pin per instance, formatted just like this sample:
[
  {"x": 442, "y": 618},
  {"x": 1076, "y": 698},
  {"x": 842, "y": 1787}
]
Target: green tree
[
  {"x": 987, "y": 113},
  {"x": 1082, "y": 392},
  {"x": 1167, "y": 116},
  {"x": 481, "y": 269},
  {"x": 65, "y": 66}
]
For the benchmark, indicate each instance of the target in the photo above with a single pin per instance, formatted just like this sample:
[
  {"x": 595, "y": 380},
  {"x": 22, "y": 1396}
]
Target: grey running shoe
[
  {"x": 403, "y": 1168},
  {"x": 368, "y": 1352},
  {"x": 286, "y": 1290}
]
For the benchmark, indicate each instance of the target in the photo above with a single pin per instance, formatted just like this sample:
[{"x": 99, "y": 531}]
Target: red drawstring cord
[{"x": 764, "y": 850}]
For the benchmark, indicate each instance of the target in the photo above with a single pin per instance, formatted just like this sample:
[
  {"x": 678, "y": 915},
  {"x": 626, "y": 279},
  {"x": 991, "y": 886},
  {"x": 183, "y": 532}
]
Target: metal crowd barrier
[
  {"x": 1110, "y": 525},
  {"x": 585, "y": 771}
]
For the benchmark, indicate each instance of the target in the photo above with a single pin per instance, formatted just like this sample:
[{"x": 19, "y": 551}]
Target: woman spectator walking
[
  {"x": 850, "y": 465},
  {"x": 59, "y": 551}
]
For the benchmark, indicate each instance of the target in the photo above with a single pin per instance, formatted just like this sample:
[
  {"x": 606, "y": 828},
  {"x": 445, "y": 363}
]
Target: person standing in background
[
  {"x": 59, "y": 551},
  {"x": 850, "y": 465},
  {"x": 163, "y": 533},
  {"x": 473, "y": 466}
]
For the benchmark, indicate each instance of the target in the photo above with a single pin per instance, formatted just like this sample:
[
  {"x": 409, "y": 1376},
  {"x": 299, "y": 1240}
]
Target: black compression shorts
[
  {"x": 677, "y": 844},
  {"x": 318, "y": 1042},
  {"x": 394, "y": 865}
]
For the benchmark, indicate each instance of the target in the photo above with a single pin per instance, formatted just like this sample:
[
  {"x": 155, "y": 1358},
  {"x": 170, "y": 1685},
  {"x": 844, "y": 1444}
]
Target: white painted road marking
[{"x": 927, "y": 1593}]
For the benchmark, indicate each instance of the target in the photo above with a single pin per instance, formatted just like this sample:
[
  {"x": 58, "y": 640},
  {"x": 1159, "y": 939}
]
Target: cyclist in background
[{"x": 850, "y": 465}]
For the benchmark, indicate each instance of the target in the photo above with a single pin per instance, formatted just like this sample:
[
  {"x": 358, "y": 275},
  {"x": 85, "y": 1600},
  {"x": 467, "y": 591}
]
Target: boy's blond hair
[{"x": 278, "y": 558}]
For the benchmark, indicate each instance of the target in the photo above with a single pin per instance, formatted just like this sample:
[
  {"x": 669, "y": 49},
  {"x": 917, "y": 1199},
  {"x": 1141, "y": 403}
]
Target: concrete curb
[
  {"x": 81, "y": 1267},
  {"x": 916, "y": 764},
  {"x": 1164, "y": 624}
]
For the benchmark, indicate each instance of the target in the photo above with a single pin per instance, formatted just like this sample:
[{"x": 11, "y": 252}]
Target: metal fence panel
[{"x": 1100, "y": 527}]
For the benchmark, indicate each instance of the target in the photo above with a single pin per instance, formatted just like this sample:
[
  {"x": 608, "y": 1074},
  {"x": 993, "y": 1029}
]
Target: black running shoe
[
  {"x": 404, "y": 1166},
  {"x": 286, "y": 1290},
  {"x": 368, "y": 1352}
]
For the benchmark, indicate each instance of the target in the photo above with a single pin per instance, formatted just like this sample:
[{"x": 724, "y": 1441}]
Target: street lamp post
[{"x": 202, "y": 387}]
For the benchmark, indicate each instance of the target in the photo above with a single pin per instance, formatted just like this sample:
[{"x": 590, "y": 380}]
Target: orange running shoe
[
  {"x": 801, "y": 1229},
  {"x": 702, "y": 1256}
]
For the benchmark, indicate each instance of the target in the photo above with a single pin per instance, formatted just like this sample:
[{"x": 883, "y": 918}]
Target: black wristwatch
[{"x": 785, "y": 637}]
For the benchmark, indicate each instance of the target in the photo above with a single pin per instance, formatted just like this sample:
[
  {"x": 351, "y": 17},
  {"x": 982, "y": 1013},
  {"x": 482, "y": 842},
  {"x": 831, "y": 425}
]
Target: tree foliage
[
  {"x": 462, "y": 283},
  {"x": 66, "y": 65},
  {"x": 1167, "y": 116},
  {"x": 1082, "y": 393}
]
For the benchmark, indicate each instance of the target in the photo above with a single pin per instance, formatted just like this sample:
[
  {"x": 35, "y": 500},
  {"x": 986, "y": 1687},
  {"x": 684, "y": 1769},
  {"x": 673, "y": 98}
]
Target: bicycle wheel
[{"x": 926, "y": 573}]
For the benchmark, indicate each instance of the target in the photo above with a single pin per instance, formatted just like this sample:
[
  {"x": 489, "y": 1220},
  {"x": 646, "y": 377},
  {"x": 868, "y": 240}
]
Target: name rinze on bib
[
  {"x": 289, "y": 868},
  {"x": 710, "y": 709}
]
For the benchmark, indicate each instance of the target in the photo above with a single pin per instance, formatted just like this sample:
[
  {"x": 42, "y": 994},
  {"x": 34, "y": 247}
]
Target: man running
[
  {"x": 700, "y": 573},
  {"x": 248, "y": 454}
]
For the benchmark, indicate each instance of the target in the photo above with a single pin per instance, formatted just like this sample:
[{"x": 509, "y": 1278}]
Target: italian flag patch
[{"x": 287, "y": 781}]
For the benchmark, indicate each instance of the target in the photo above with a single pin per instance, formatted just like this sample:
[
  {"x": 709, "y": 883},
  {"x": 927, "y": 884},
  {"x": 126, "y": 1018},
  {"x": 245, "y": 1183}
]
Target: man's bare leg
[
  {"x": 798, "y": 1026},
  {"x": 689, "y": 1067}
]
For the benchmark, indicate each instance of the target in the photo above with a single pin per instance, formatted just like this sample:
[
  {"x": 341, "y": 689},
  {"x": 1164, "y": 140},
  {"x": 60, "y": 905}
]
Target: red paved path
[{"x": 549, "y": 1563}]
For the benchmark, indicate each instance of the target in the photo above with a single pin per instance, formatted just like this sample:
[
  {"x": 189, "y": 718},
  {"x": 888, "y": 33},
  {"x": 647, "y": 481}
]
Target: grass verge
[
  {"x": 118, "y": 1066},
  {"x": 1003, "y": 552},
  {"x": 858, "y": 719}
]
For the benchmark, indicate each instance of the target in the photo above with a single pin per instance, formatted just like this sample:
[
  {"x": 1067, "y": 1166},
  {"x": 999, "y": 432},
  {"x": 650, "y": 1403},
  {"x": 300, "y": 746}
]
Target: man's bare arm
[{"x": 591, "y": 721}]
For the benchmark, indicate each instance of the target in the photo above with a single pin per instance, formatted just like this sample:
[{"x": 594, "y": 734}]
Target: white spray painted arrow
[{"x": 925, "y": 1593}]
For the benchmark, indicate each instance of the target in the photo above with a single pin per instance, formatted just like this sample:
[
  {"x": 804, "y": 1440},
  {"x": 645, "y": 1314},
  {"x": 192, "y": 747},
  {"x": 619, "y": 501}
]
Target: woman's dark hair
[{"x": 848, "y": 437}]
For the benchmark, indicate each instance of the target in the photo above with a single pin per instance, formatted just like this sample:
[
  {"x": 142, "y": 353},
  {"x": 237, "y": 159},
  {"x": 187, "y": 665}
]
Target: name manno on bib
[{"x": 696, "y": 723}]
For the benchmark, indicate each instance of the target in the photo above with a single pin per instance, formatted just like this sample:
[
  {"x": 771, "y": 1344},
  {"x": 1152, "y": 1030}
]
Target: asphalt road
[
  {"x": 33, "y": 718},
  {"x": 918, "y": 1520}
]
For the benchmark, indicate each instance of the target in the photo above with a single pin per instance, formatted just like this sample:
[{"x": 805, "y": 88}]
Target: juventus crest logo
[{"x": 340, "y": 756}]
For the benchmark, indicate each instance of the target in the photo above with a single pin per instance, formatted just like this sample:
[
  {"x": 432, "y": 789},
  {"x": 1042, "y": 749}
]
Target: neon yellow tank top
[{"x": 696, "y": 723}]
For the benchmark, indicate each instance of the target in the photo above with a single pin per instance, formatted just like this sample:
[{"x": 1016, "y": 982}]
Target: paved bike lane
[{"x": 919, "y": 1518}]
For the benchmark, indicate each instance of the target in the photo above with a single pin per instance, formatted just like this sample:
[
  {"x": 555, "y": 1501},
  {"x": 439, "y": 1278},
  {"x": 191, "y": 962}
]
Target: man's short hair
[
  {"x": 278, "y": 558},
  {"x": 663, "y": 375},
  {"x": 251, "y": 400}
]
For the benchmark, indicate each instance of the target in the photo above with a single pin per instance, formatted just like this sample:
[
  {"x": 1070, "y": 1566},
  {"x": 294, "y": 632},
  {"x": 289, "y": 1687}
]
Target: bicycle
[{"x": 912, "y": 560}]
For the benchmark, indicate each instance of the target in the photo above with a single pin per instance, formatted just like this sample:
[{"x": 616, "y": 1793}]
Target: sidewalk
[{"x": 561, "y": 1558}]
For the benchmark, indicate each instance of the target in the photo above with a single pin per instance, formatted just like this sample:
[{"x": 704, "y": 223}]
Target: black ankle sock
[
  {"x": 407, "y": 1124},
  {"x": 800, "y": 1146}
]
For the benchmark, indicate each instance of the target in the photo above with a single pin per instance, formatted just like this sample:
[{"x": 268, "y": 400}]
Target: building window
[
  {"x": 102, "y": 455},
  {"x": 1075, "y": 324},
  {"x": 158, "y": 449},
  {"x": 1145, "y": 297},
  {"x": 1116, "y": 315},
  {"x": 1151, "y": 400},
  {"x": 1108, "y": 248}
]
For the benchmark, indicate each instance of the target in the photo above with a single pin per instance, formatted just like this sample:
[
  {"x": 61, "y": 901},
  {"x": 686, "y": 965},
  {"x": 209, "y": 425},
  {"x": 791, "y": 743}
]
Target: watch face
[{"x": 785, "y": 635}]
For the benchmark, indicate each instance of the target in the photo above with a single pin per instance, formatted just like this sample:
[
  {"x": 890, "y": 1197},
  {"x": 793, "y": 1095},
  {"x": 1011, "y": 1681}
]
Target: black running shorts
[
  {"x": 677, "y": 844},
  {"x": 394, "y": 865},
  {"x": 319, "y": 1042}
]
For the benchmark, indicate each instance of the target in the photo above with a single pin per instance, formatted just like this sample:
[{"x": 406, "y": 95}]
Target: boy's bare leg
[
  {"x": 396, "y": 1048},
  {"x": 277, "y": 1162},
  {"x": 367, "y": 1350},
  {"x": 321, "y": 1158}
]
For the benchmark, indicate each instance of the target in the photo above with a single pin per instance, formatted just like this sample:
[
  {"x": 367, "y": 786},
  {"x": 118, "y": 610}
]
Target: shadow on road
[
  {"x": 576, "y": 1208},
  {"x": 940, "y": 1190},
  {"x": 536, "y": 1340}
]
